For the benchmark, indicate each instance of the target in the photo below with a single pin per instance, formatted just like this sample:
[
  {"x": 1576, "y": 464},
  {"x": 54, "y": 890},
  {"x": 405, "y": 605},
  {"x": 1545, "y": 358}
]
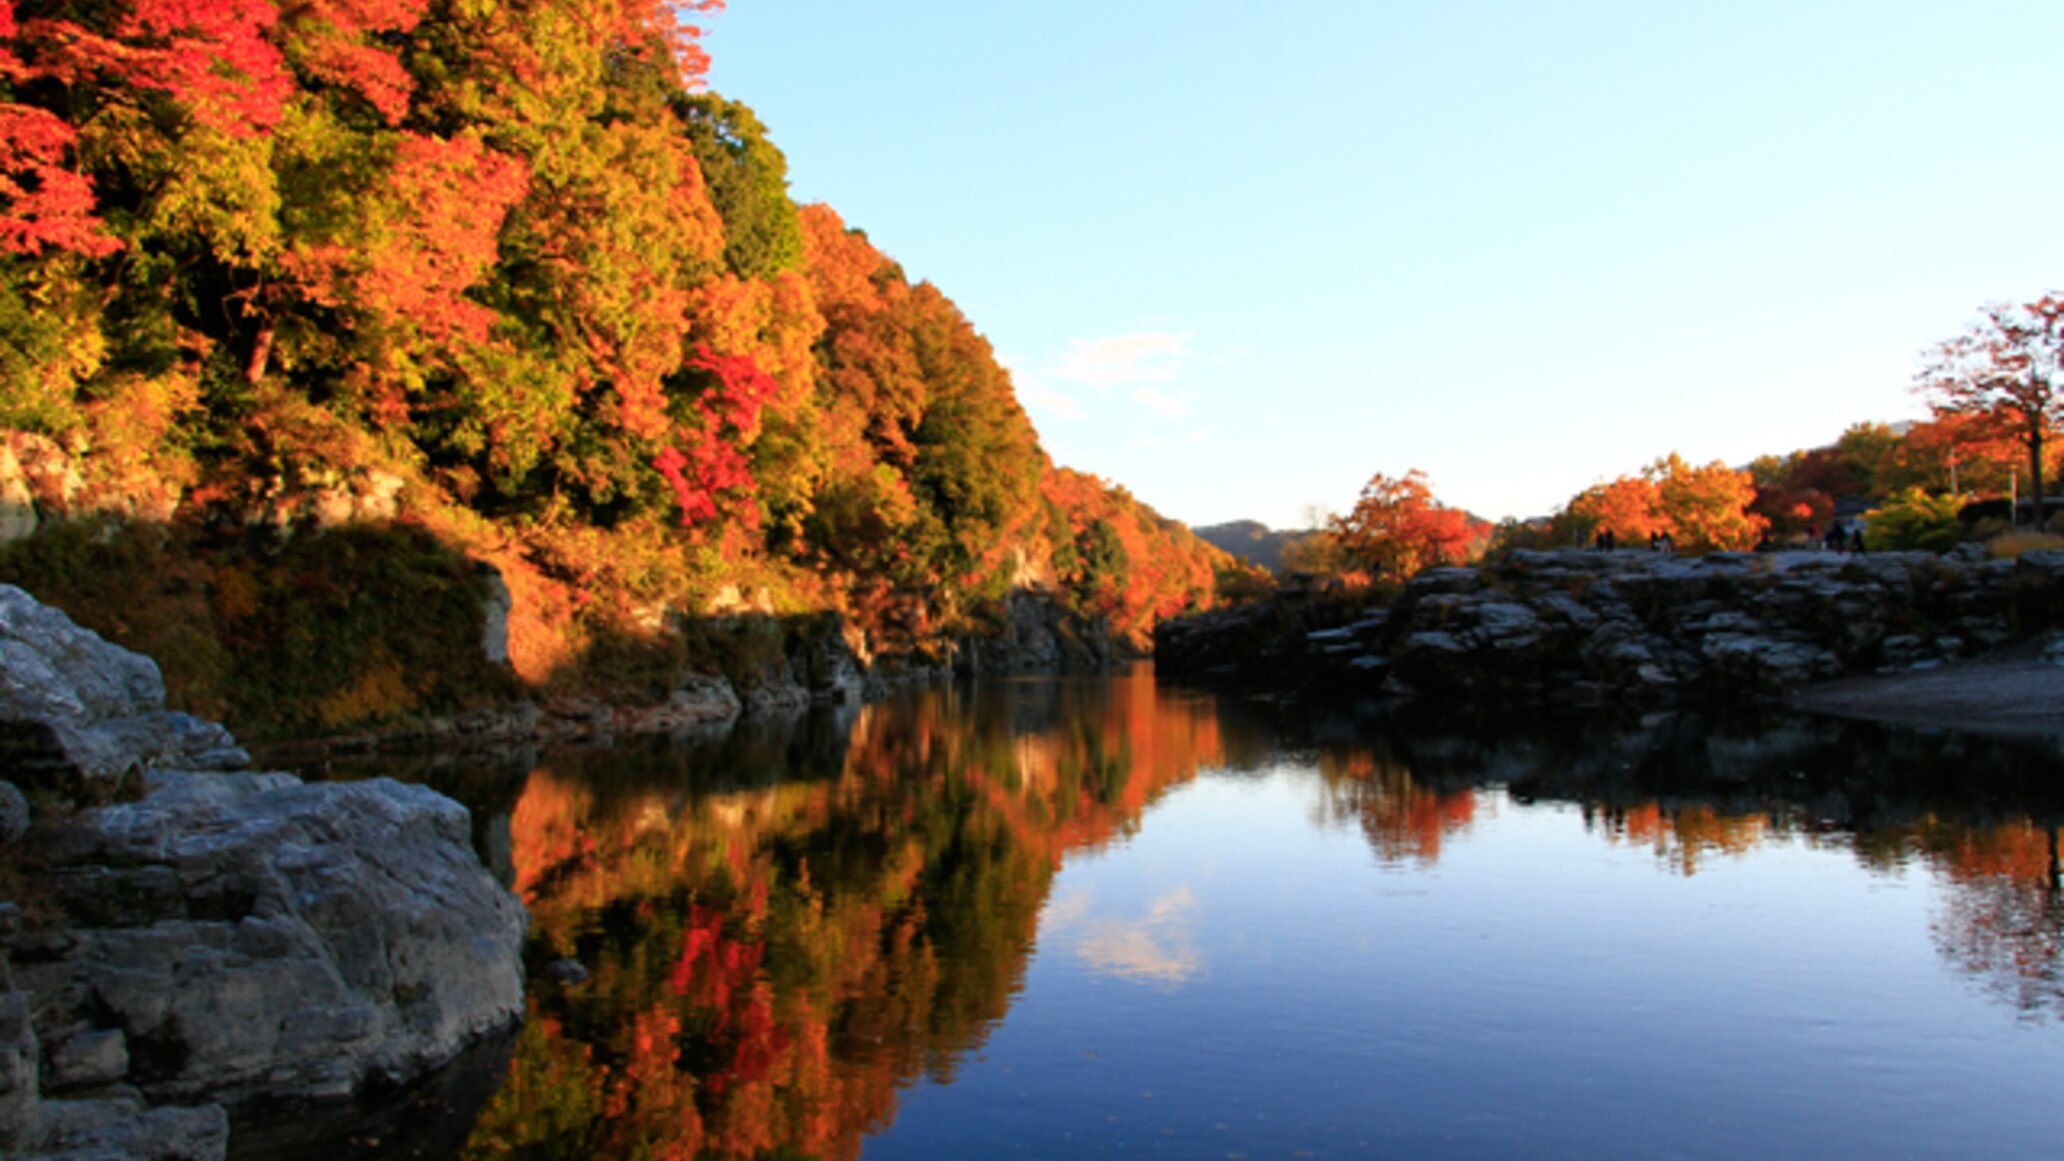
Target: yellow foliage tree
[{"x": 1706, "y": 508}]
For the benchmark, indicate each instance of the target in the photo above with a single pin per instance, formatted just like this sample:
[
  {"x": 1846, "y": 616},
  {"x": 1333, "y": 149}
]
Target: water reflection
[
  {"x": 768, "y": 961},
  {"x": 781, "y": 928},
  {"x": 1158, "y": 947}
]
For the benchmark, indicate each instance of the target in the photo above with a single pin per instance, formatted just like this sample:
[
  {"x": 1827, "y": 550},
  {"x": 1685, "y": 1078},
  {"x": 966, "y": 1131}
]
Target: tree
[
  {"x": 1398, "y": 527},
  {"x": 1706, "y": 508},
  {"x": 748, "y": 183},
  {"x": 2008, "y": 368},
  {"x": 1628, "y": 507}
]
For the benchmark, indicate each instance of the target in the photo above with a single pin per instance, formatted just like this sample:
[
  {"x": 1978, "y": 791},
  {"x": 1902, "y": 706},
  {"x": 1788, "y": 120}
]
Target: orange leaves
[
  {"x": 844, "y": 266},
  {"x": 1121, "y": 559},
  {"x": 448, "y": 198},
  {"x": 1398, "y": 527},
  {"x": 1629, "y": 508},
  {"x": 1702, "y": 509},
  {"x": 1707, "y": 508},
  {"x": 2008, "y": 368}
]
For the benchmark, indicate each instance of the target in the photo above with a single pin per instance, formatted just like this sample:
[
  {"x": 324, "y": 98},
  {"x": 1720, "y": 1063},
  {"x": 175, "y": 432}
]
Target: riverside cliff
[
  {"x": 182, "y": 945},
  {"x": 1626, "y": 628}
]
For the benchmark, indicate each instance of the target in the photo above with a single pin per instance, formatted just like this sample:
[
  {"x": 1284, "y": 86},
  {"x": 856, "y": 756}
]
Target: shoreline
[{"x": 2011, "y": 691}]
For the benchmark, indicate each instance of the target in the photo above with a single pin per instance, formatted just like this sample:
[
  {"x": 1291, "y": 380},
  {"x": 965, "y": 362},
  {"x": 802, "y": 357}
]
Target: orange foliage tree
[
  {"x": 1629, "y": 508},
  {"x": 1702, "y": 509},
  {"x": 1397, "y": 527}
]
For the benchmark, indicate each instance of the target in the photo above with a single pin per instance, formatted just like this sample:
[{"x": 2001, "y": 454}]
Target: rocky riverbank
[
  {"x": 181, "y": 945},
  {"x": 766, "y": 666},
  {"x": 1627, "y": 628}
]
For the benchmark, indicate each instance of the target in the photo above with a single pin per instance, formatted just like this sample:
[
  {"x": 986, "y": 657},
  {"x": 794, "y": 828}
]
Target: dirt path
[{"x": 2012, "y": 691}]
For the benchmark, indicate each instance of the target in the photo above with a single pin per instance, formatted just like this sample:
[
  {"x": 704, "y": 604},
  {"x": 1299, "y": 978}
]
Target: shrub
[{"x": 1913, "y": 520}]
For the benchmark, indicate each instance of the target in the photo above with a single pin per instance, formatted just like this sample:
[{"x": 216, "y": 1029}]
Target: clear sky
[{"x": 1241, "y": 256}]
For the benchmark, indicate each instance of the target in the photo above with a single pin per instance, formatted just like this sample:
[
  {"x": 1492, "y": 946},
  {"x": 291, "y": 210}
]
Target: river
[{"x": 1093, "y": 917}]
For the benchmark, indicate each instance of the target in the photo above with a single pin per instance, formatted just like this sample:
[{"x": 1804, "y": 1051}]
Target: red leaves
[
  {"x": 329, "y": 41},
  {"x": 211, "y": 56},
  {"x": 728, "y": 414},
  {"x": 43, "y": 205}
]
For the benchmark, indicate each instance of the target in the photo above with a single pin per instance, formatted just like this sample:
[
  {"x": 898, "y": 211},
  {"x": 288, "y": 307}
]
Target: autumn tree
[
  {"x": 1630, "y": 508},
  {"x": 1397, "y": 527},
  {"x": 2007, "y": 369},
  {"x": 1706, "y": 508},
  {"x": 748, "y": 183}
]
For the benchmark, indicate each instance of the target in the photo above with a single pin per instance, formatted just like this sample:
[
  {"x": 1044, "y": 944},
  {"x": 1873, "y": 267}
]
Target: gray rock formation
[
  {"x": 79, "y": 717},
  {"x": 1037, "y": 634},
  {"x": 1632, "y": 627},
  {"x": 222, "y": 941}
]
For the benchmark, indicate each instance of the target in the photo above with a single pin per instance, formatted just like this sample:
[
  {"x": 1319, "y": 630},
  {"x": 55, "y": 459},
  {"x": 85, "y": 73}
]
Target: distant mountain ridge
[{"x": 1251, "y": 539}]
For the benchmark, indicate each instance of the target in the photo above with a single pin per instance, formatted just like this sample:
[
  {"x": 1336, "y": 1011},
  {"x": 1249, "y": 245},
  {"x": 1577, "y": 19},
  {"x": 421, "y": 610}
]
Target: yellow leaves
[{"x": 1707, "y": 508}]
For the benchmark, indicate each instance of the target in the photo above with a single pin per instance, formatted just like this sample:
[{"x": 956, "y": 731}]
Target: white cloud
[
  {"x": 1161, "y": 403},
  {"x": 1141, "y": 357}
]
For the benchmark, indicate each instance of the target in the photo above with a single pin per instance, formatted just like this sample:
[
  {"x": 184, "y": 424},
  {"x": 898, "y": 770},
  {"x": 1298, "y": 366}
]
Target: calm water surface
[{"x": 1083, "y": 918}]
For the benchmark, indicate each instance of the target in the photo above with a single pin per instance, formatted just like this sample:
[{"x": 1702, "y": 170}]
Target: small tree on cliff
[
  {"x": 1398, "y": 528},
  {"x": 2008, "y": 369}
]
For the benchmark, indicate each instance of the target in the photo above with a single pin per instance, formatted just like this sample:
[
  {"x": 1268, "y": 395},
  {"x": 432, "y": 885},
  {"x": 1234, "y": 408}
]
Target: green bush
[{"x": 1914, "y": 520}]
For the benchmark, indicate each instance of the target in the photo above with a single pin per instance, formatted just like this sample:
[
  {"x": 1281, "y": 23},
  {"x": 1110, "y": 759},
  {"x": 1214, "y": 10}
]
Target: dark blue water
[{"x": 1097, "y": 918}]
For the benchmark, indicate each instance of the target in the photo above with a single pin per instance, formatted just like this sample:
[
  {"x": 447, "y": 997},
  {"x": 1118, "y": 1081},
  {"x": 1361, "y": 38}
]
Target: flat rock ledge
[
  {"x": 212, "y": 943},
  {"x": 1629, "y": 628}
]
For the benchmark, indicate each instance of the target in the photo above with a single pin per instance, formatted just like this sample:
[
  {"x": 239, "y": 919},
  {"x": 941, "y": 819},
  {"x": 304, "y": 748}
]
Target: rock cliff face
[
  {"x": 771, "y": 666},
  {"x": 185, "y": 945},
  {"x": 1630, "y": 627}
]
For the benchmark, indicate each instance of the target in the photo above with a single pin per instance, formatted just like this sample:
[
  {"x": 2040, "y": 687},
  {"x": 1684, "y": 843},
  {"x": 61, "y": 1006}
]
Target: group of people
[
  {"x": 1837, "y": 539},
  {"x": 1606, "y": 541}
]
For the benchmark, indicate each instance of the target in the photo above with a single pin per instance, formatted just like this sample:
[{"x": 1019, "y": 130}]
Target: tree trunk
[
  {"x": 261, "y": 355},
  {"x": 2035, "y": 457}
]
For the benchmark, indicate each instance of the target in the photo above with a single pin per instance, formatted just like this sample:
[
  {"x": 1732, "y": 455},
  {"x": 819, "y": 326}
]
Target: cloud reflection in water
[{"x": 1156, "y": 948}]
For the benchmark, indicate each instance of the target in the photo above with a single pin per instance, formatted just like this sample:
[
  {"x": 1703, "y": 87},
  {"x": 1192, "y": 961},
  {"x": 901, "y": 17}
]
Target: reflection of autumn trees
[
  {"x": 1684, "y": 835},
  {"x": 781, "y": 932},
  {"x": 1402, "y": 819},
  {"x": 767, "y": 966},
  {"x": 2002, "y": 914}
]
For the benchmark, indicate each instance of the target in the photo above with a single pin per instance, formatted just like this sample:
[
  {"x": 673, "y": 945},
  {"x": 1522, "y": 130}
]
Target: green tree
[{"x": 748, "y": 183}]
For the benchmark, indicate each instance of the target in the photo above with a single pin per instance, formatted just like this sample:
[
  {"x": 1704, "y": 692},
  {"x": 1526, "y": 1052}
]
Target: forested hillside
[{"x": 307, "y": 308}]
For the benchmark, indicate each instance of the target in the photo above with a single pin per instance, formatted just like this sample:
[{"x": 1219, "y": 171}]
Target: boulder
[
  {"x": 223, "y": 941},
  {"x": 80, "y": 717},
  {"x": 257, "y": 937}
]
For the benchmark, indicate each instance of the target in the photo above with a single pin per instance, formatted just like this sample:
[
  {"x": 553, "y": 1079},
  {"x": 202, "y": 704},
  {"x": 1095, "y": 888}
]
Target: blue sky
[{"x": 1240, "y": 257}]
